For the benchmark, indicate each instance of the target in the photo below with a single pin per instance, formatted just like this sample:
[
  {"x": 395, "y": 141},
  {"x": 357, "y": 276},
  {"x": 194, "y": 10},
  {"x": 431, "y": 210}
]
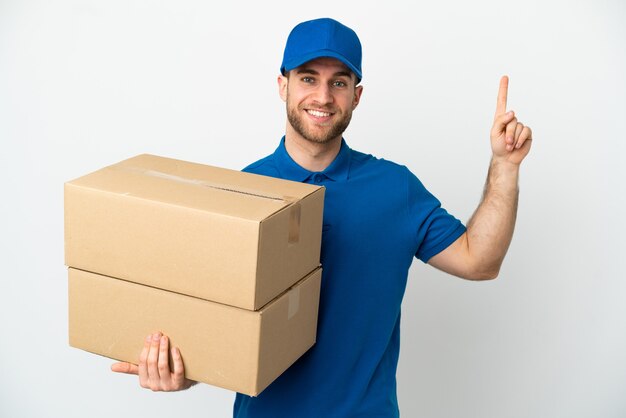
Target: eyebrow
[{"x": 306, "y": 70}]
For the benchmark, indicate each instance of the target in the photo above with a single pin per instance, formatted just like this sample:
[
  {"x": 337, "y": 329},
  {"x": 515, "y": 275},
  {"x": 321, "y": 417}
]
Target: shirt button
[{"x": 318, "y": 178}]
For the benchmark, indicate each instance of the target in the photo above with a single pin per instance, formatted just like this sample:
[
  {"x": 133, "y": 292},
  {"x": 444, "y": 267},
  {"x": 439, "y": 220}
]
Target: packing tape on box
[
  {"x": 213, "y": 185},
  {"x": 294, "y": 205},
  {"x": 294, "y": 223},
  {"x": 294, "y": 302}
]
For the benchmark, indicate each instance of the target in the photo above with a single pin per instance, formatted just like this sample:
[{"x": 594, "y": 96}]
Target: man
[{"x": 377, "y": 217}]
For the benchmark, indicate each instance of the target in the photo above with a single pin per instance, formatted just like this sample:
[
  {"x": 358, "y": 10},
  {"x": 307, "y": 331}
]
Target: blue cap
[{"x": 322, "y": 38}]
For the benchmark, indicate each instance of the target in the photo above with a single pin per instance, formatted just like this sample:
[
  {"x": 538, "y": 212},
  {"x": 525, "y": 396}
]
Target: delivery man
[{"x": 377, "y": 217}]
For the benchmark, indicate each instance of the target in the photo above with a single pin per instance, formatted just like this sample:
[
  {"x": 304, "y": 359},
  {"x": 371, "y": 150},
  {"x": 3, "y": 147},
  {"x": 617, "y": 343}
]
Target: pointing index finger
[{"x": 502, "y": 94}]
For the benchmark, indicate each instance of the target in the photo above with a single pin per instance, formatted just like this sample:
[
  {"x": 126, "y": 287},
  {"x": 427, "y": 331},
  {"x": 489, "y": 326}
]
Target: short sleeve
[{"x": 435, "y": 229}]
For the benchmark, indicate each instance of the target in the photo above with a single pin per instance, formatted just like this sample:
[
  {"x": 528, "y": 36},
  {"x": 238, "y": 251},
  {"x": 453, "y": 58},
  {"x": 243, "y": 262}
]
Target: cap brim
[{"x": 303, "y": 59}]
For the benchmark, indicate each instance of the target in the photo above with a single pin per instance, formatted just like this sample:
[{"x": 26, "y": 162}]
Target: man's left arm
[{"x": 479, "y": 252}]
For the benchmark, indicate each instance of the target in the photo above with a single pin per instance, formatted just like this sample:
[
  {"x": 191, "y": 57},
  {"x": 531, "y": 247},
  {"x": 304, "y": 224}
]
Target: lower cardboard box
[{"x": 221, "y": 345}]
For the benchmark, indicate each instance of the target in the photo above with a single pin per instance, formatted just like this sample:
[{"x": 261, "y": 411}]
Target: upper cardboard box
[{"x": 223, "y": 235}]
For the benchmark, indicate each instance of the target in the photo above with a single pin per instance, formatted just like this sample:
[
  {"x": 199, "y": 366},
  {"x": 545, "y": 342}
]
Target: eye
[
  {"x": 308, "y": 79},
  {"x": 339, "y": 83}
]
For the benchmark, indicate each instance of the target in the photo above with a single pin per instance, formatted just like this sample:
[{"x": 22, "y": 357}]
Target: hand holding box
[{"x": 154, "y": 369}]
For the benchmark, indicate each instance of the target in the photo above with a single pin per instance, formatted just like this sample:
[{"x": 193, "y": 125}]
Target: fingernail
[
  {"x": 156, "y": 336},
  {"x": 163, "y": 339},
  {"x": 149, "y": 338}
]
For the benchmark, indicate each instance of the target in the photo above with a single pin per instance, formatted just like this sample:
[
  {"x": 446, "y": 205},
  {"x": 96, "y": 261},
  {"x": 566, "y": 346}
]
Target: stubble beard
[{"x": 335, "y": 130}]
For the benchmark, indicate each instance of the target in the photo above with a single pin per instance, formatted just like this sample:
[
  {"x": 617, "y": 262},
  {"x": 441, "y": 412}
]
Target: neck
[{"x": 312, "y": 156}]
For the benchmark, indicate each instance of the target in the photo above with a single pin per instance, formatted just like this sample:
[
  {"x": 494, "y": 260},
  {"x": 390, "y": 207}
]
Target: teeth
[{"x": 318, "y": 114}]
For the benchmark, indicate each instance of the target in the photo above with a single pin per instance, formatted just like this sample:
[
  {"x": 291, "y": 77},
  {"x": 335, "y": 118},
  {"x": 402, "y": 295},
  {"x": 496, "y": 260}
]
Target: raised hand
[
  {"x": 510, "y": 139},
  {"x": 154, "y": 370}
]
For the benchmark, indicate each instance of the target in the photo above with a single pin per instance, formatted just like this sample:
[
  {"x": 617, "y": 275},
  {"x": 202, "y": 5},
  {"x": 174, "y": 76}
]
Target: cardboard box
[
  {"x": 230, "y": 347},
  {"x": 236, "y": 238}
]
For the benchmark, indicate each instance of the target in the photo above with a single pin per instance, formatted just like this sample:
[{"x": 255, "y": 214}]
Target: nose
[{"x": 323, "y": 94}]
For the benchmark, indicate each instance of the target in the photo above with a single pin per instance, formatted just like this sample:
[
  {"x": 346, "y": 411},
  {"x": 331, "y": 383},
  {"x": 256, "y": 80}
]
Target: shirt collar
[{"x": 338, "y": 170}]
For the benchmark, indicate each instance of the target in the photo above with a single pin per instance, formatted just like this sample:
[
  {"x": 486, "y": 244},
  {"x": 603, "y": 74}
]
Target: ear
[
  {"x": 282, "y": 87},
  {"x": 358, "y": 90}
]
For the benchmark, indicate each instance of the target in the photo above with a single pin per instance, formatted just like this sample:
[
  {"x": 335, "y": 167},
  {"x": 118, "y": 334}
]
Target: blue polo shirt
[{"x": 377, "y": 217}]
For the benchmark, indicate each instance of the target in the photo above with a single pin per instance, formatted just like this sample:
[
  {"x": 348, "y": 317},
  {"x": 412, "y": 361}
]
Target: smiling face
[{"x": 320, "y": 97}]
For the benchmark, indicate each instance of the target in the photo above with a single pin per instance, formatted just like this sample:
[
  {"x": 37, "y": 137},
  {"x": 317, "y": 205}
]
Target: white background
[{"x": 84, "y": 84}]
